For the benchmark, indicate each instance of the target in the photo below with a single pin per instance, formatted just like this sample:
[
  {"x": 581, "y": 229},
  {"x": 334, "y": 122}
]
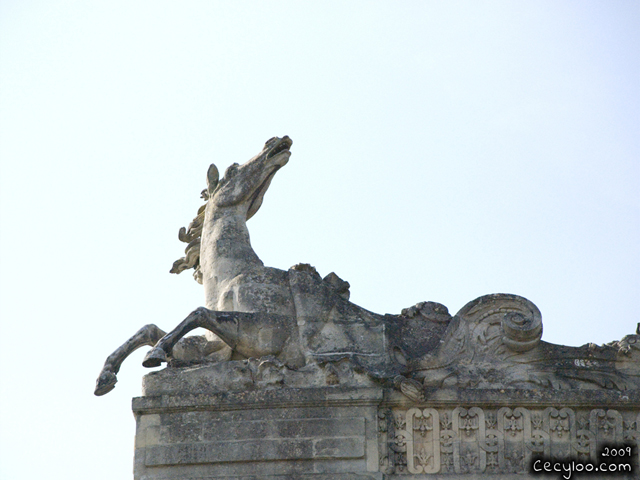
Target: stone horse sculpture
[{"x": 295, "y": 318}]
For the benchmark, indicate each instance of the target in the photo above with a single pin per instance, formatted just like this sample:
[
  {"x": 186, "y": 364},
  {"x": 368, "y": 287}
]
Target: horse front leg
[
  {"x": 199, "y": 318},
  {"x": 147, "y": 335}
]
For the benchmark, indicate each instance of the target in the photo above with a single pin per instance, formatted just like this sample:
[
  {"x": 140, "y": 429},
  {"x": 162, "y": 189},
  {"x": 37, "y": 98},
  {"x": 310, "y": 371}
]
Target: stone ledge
[
  {"x": 297, "y": 476},
  {"x": 339, "y": 396},
  {"x": 257, "y": 399},
  {"x": 520, "y": 398}
]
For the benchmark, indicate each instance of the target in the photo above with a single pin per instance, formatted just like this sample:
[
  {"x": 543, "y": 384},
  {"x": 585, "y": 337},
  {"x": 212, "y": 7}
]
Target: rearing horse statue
[
  {"x": 234, "y": 278},
  {"x": 298, "y": 318}
]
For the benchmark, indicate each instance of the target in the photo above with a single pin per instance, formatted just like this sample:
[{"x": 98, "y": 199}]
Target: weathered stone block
[{"x": 275, "y": 432}]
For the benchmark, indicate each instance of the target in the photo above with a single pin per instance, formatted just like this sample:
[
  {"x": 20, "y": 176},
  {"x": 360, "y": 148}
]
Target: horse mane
[{"x": 192, "y": 235}]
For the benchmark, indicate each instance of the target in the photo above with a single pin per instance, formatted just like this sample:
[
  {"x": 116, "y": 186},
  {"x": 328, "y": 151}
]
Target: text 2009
[{"x": 616, "y": 452}]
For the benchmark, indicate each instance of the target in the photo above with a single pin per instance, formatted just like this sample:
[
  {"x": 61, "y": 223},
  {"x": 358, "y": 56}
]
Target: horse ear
[{"x": 212, "y": 178}]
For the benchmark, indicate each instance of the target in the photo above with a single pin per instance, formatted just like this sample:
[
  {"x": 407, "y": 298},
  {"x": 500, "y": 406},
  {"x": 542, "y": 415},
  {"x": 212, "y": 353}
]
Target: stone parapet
[{"x": 343, "y": 433}]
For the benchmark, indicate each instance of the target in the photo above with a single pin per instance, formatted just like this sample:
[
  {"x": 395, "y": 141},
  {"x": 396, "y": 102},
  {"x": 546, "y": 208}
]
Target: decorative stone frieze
[{"x": 496, "y": 440}]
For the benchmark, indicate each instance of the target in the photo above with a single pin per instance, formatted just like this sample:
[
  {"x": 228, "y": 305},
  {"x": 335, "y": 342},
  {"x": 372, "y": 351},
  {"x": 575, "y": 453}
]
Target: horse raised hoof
[
  {"x": 154, "y": 358},
  {"x": 105, "y": 383}
]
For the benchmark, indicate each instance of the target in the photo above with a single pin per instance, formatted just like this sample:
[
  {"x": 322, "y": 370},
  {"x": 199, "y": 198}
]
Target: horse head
[{"x": 243, "y": 186}]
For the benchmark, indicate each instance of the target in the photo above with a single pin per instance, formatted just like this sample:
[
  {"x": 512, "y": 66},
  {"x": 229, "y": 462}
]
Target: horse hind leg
[
  {"x": 199, "y": 318},
  {"x": 147, "y": 335}
]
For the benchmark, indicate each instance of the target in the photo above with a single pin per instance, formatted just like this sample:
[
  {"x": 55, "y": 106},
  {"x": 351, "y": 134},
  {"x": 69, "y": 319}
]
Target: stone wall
[{"x": 372, "y": 433}]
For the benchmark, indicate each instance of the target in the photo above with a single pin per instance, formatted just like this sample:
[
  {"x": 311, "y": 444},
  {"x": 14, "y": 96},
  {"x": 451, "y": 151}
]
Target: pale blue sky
[{"x": 442, "y": 151}]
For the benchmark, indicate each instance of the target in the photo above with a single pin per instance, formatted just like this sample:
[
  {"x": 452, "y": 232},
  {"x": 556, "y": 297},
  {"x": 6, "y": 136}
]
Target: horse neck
[{"x": 225, "y": 250}]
